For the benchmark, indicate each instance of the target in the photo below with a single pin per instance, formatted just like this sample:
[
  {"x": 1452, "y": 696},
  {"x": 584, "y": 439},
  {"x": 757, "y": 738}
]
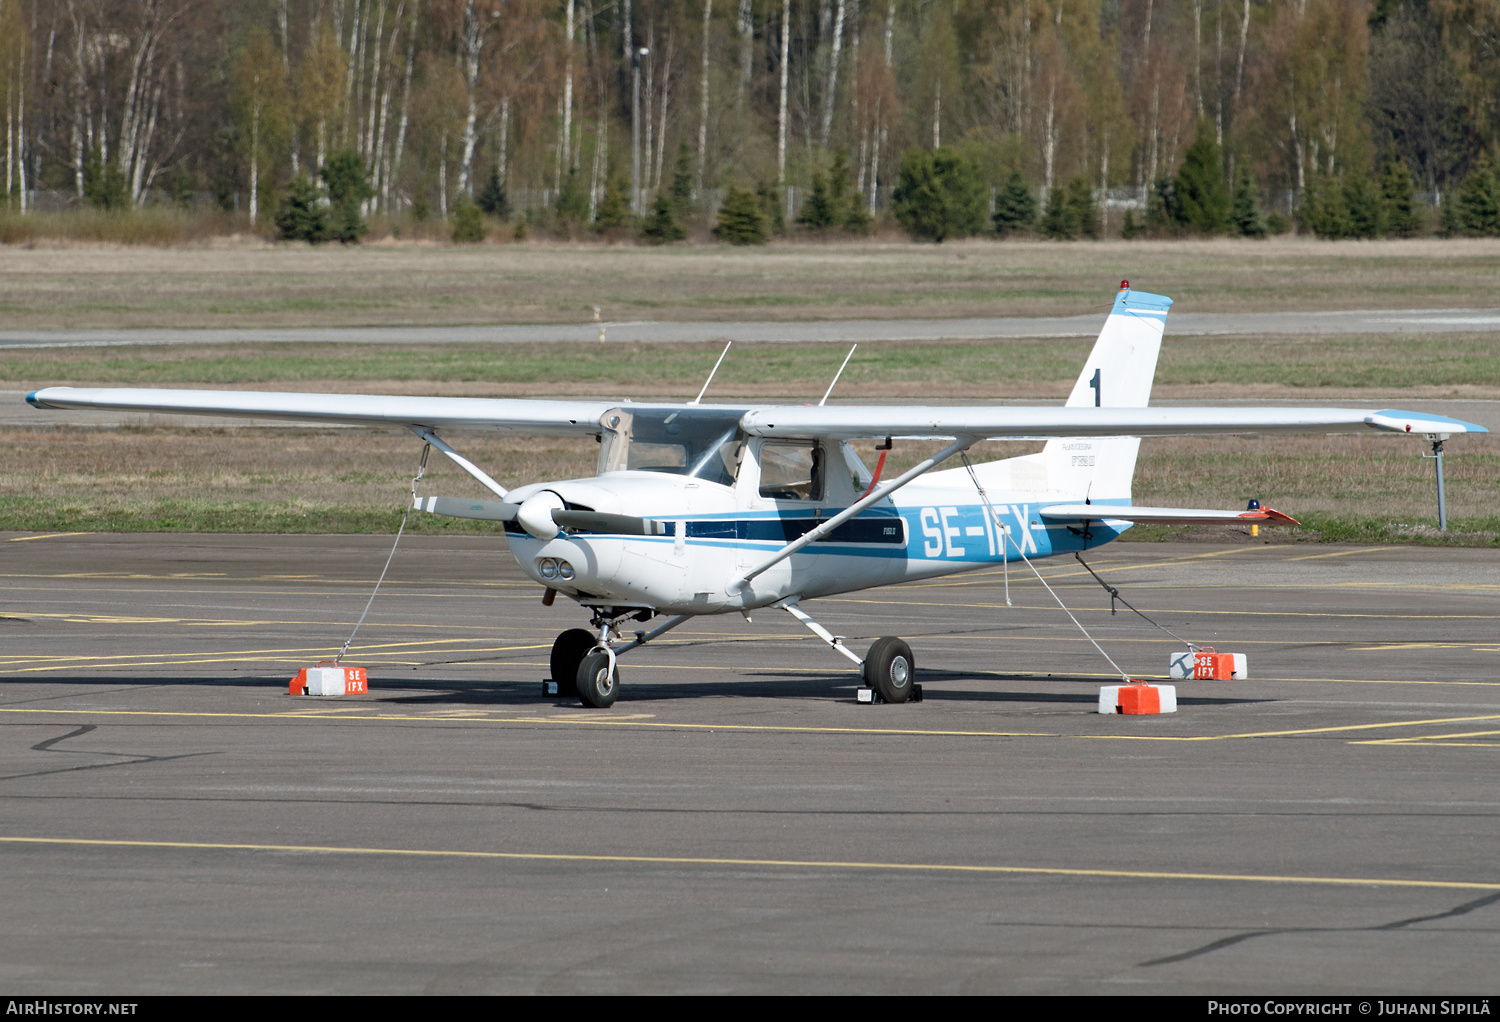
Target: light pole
[{"x": 635, "y": 129}]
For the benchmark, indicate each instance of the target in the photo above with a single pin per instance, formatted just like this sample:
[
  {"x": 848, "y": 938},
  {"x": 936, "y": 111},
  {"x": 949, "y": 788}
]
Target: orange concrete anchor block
[
  {"x": 1208, "y": 664},
  {"x": 1138, "y": 698},
  {"x": 329, "y": 679}
]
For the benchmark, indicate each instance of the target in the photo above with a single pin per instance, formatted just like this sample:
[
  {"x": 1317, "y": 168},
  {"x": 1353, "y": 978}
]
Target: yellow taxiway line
[
  {"x": 825, "y": 864},
  {"x": 50, "y": 535},
  {"x": 377, "y": 717}
]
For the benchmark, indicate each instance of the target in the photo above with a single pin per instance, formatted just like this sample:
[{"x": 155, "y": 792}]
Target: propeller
[
  {"x": 601, "y": 521},
  {"x": 536, "y": 520},
  {"x": 459, "y": 507}
]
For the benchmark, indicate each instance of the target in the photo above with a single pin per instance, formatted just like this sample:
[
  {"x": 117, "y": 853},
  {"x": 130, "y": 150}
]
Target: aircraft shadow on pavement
[
  {"x": 751, "y": 685},
  {"x": 760, "y": 685}
]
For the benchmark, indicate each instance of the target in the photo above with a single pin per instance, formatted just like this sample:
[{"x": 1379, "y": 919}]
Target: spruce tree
[
  {"x": 572, "y": 199},
  {"x": 768, "y": 195},
  {"x": 1324, "y": 211},
  {"x": 103, "y": 182},
  {"x": 1450, "y": 219},
  {"x": 818, "y": 212},
  {"x": 1202, "y": 194},
  {"x": 492, "y": 198},
  {"x": 741, "y": 221},
  {"x": 662, "y": 225},
  {"x": 468, "y": 222},
  {"x": 1083, "y": 211},
  {"x": 848, "y": 203},
  {"x": 1247, "y": 221},
  {"x": 1397, "y": 193},
  {"x": 1057, "y": 221},
  {"x": 1015, "y": 206},
  {"x": 1161, "y": 207},
  {"x": 1479, "y": 201},
  {"x": 940, "y": 195},
  {"x": 1366, "y": 212},
  {"x": 614, "y": 210},
  {"x": 681, "y": 191},
  {"x": 348, "y": 185},
  {"x": 840, "y": 185},
  {"x": 302, "y": 215}
]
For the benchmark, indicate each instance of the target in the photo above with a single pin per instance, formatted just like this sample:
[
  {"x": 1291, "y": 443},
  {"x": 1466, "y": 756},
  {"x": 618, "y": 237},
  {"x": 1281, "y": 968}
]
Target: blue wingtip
[
  {"x": 31, "y": 399},
  {"x": 1467, "y": 427}
]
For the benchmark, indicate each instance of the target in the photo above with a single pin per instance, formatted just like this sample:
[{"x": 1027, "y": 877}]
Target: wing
[
  {"x": 836, "y": 423},
  {"x": 497, "y": 414},
  {"x": 1042, "y": 423}
]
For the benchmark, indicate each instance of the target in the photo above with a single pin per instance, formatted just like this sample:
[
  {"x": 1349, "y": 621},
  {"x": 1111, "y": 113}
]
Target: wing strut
[
  {"x": 963, "y": 443},
  {"x": 836, "y": 641},
  {"x": 462, "y": 462}
]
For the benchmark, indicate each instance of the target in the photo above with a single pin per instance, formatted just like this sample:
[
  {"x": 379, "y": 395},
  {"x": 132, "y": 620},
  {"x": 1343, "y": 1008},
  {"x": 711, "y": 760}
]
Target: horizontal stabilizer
[
  {"x": 460, "y": 507},
  {"x": 1161, "y": 515}
]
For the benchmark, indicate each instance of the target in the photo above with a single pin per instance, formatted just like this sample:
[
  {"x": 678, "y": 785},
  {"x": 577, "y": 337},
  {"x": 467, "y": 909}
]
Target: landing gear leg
[
  {"x": 598, "y": 678},
  {"x": 889, "y": 669},
  {"x": 588, "y": 661}
]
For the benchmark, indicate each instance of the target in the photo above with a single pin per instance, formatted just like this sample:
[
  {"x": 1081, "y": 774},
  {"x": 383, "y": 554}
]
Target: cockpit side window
[{"x": 791, "y": 470}]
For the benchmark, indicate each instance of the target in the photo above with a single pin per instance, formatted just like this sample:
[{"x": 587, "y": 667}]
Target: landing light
[{"x": 550, "y": 568}]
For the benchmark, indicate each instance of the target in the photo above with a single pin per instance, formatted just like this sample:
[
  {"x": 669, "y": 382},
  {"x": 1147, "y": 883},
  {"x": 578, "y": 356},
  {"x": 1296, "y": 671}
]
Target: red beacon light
[{"x": 1124, "y": 285}]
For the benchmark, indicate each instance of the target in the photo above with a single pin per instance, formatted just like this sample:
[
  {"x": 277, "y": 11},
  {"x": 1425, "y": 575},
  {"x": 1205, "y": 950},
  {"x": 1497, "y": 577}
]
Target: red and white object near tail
[
  {"x": 1207, "y": 664},
  {"x": 326, "y": 680},
  {"x": 1138, "y": 698}
]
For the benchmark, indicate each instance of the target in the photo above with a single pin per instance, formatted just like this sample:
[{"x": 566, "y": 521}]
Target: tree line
[{"x": 1067, "y": 118}]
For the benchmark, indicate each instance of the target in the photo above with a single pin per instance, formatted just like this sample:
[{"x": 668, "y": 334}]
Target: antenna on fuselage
[
  {"x": 836, "y": 377},
  {"x": 711, "y": 374}
]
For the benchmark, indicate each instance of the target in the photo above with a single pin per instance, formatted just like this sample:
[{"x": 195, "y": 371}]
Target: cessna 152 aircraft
[{"x": 711, "y": 509}]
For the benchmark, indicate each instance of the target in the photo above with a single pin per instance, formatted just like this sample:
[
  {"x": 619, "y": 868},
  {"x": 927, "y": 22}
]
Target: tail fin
[
  {"x": 1118, "y": 374},
  {"x": 1120, "y": 369}
]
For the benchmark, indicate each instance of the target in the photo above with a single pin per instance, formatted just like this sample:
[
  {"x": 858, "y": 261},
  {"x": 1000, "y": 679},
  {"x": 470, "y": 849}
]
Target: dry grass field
[
  {"x": 247, "y": 479},
  {"x": 1362, "y": 488},
  {"x": 1338, "y": 368},
  {"x": 254, "y": 284}
]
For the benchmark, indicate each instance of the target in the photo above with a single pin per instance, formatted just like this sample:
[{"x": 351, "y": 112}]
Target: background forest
[{"x": 312, "y": 118}]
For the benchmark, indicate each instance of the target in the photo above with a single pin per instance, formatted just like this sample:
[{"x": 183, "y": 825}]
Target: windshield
[{"x": 704, "y": 443}]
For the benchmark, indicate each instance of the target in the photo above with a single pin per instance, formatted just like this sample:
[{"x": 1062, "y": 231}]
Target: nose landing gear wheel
[
  {"x": 890, "y": 669},
  {"x": 597, "y": 685},
  {"x": 567, "y": 653}
]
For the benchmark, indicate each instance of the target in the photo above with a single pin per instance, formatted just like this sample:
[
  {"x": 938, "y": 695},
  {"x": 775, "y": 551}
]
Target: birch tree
[
  {"x": 14, "y": 65},
  {"x": 319, "y": 90},
  {"x": 708, "y": 12},
  {"x": 260, "y": 99},
  {"x": 151, "y": 23}
]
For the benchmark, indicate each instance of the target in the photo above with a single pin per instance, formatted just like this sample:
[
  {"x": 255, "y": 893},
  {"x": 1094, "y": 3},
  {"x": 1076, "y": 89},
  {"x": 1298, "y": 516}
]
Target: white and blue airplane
[{"x": 712, "y": 509}]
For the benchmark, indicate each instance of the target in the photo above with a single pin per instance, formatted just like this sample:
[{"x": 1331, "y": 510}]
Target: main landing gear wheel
[
  {"x": 890, "y": 669},
  {"x": 597, "y": 685},
  {"x": 567, "y": 653}
]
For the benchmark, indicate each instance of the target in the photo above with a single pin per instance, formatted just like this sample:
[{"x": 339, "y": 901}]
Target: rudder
[{"x": 1117, "y": 374}]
